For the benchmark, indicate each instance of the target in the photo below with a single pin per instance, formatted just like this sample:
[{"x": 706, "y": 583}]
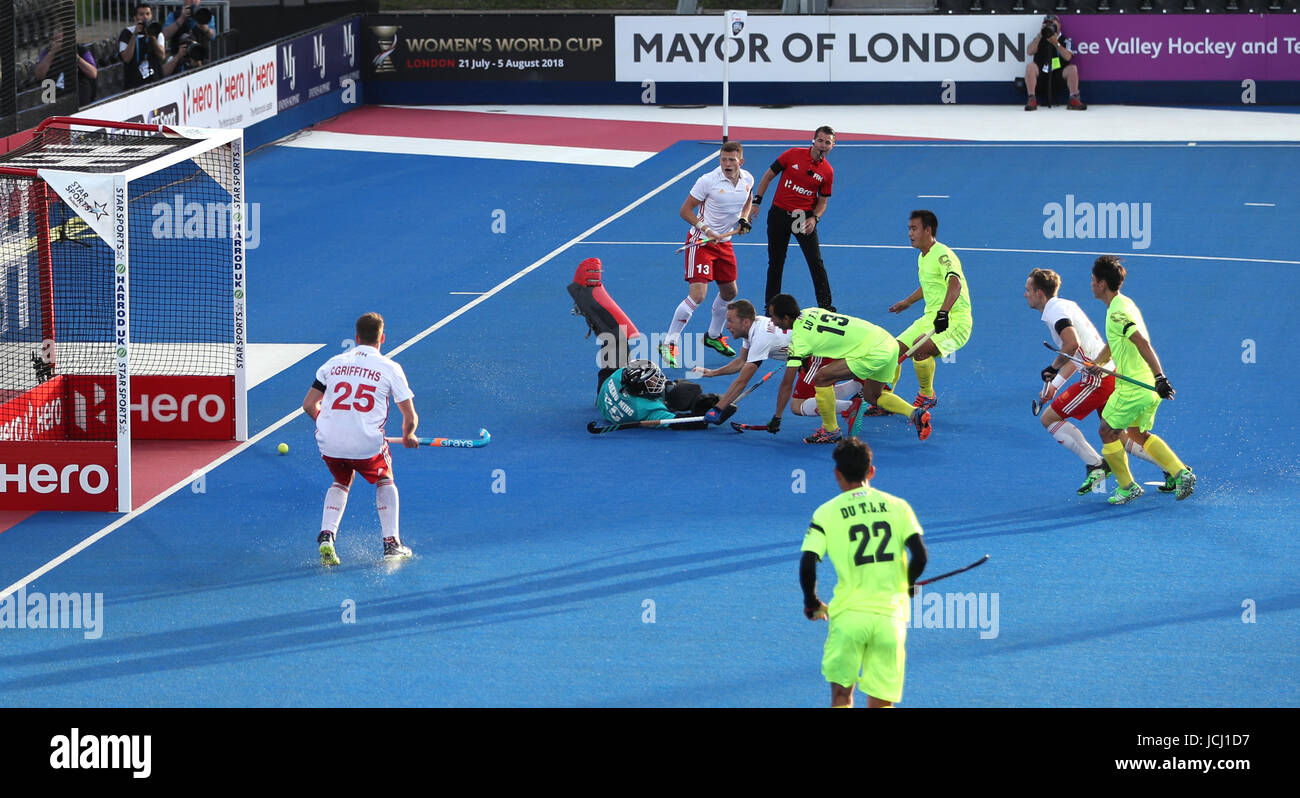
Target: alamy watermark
[
  {"x": 33, "y": 610},
  {"x": 1094, "y": 220},
  {"x": 932, "y": 610},
  {"x": 616, "y": 351},
  {"x": 205, "y": 220}
]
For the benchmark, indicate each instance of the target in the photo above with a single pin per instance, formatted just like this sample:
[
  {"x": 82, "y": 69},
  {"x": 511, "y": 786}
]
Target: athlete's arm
[
  {"x": 752, "y": 210},
  {"x": 899, "y": 307},
  {"x": 731, "y": 368},
  {"x": 311, "y": 402},
  {"x": 954, "y": 291},
  {"x": 410, "y": 420},
  {"x": 1148, "y": 354},
  {"x": 738, "y": 384},
  {"x": 1069, "y": 343},
  {"x": 787, "y": 388},
  {"x": 808, "y": 583},
  {"x": 689, "y": 215},
  {"x": 917, "y": 557}
]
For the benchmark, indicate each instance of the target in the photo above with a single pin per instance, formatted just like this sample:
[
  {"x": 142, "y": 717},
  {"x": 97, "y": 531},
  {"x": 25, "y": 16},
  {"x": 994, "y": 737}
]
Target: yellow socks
[
  {"x": 895, "y": 404},
  {"x": 925, "y": 375},
  {"x": 1118, "y": 460},
  {"x": 826, "y": 408},
  {"x": 1163, "y": 455}
]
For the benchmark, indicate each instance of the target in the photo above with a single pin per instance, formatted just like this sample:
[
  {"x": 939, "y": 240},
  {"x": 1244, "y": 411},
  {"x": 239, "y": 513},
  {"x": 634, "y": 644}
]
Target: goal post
[{"x": 122, "y": 304}]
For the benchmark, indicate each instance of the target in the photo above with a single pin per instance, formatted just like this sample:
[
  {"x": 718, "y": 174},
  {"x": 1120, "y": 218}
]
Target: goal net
[{"x": 121, "y": 304}]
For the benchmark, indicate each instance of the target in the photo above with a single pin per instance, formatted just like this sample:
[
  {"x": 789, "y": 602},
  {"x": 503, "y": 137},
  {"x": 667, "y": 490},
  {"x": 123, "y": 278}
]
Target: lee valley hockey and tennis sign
[{"x": 817, "y": 49}]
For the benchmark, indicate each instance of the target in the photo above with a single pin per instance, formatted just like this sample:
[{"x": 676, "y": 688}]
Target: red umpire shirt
[{"x": 801, "y": 179}]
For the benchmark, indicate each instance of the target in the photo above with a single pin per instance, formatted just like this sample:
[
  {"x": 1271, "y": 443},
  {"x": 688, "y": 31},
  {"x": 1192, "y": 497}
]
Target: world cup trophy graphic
[{"x": 385, "y": 38}]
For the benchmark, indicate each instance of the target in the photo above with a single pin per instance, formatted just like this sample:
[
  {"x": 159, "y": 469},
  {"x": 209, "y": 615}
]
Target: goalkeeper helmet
[{"x": 643, "y": 378}]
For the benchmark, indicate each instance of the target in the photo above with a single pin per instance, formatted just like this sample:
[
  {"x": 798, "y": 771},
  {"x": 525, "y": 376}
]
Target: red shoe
[
  {"x": 1076, "y": 104},
  {"x": 925, "y": 402},
  {"x": 1032, "y": 105},
  {"x": 921, "y": 419}
]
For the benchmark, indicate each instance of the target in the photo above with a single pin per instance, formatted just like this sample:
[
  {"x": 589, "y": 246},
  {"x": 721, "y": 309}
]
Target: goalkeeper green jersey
[{"x": 864, "y": 532}]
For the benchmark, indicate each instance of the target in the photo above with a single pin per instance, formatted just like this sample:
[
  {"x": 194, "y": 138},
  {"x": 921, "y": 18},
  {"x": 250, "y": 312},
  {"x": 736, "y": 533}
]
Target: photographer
[
  {"x": 85, "y": 64},
  {"x": 190, "y": 54},
  {"x": 141, "y": 49},
  {"x": 192, "y": 21},
  {"x": 1054, "y": 58}
]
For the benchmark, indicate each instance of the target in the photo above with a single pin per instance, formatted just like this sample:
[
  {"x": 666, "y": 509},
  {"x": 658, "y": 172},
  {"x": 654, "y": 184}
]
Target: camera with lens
[
  {"x": 196, "y": 51},
  {"x": 153, "y": 29},
  {"x": 1050, "y": 28},
  {"x": 203, "y": 16}
]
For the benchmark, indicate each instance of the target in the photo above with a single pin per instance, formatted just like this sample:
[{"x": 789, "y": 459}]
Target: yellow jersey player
[
  {"x": 869, "y": 535},
  {"x": 1132, "y": 407},
  {"x": 947, "y": 310},
  {"x": 852, "y": 348}
]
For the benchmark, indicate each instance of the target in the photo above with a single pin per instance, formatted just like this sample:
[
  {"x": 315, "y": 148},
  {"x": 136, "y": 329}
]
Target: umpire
[{"x": 797, "y": 207}]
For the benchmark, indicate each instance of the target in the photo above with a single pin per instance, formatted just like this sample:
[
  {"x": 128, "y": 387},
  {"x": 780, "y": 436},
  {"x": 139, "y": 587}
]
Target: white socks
[
  {"x": 1071, "y": 438},
  {"x": 719, "y": 316},
  {"x": 680, "y": 318},
  {"x": 386, "y": 502},
  {"x": 336, "y": 501}
]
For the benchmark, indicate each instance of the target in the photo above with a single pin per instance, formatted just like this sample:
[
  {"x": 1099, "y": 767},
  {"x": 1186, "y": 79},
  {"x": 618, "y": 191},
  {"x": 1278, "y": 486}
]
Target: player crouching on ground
[
  {"x": 350, "y": 432},
  {"x": 640, "y": 392}
]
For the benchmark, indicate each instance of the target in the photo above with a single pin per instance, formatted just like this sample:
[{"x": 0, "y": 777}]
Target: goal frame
[{"x": 36, "y": 465}]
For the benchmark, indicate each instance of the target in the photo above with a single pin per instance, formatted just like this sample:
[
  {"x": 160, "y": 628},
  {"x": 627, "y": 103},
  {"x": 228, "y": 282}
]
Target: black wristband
[{"x": 758, "y": 199}]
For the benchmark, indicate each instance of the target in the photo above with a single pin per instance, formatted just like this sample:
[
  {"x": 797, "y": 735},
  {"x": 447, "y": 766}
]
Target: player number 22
[
  {"x": 879, "y": 529},
  {"x": 362, "y": 402}
]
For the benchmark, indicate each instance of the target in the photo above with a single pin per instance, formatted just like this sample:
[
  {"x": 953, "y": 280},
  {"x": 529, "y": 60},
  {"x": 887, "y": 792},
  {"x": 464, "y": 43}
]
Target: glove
[
  {"x": 1049, "y": 373},
  {"x": 774, "y": 426},
  {"x": 940, "y": 321},
  {"x": 745, "y": 226},
  {"x": 714, "y": 416},
  {"x": 1163, "y": 388},
  {"x": 817, "y": 613},
  {"x": 911, "y": 591},
  {"x": 728, "y": 412}
]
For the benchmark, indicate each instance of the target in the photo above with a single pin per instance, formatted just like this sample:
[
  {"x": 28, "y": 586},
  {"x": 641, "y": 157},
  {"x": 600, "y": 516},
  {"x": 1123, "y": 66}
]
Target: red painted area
[
  {"x": 606, "y": 134},
  {"x": 9, "y": 518},
  {"x": 157, "y": 465}
]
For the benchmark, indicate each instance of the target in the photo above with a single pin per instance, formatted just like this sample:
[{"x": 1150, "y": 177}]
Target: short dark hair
[
  {"x": 1109, "y": 269},
  {"x": 733, "y": 146},
  {"x": 827, "y": 129},
  {"x": 744, "y": 309},
  {"x": 853, "y": 459},
  {"x": 928, "y": 219},
  {"x": 783, "y": 306},
  {"x": 135, "y": 9},
  {"x": 1046, "y": 280},
  {"x": 369, "y": 327}
]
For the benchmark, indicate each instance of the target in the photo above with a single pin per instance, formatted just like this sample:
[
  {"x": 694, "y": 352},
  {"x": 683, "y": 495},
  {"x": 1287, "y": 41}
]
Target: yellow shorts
[
  {"x": 868, "y": 650},
  {"x": 1126, "y": 409},
  {"x": 878, "y": 363},
  {"x": 948, "y": 341}
]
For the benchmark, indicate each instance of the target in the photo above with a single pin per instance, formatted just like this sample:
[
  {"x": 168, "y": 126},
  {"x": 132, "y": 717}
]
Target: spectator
[
  {"x": 192, "y": 20},
  {"x": 190, "y": 54},
  {"x": 89, "y": 80},
  {"x": 1054, "y": 58},
  {"x": 141, "y": 49}
]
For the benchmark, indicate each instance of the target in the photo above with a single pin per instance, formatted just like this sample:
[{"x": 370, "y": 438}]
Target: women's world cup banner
[
  {"x": 488, "y": 47},
  {"x": 982, "y": 48}
]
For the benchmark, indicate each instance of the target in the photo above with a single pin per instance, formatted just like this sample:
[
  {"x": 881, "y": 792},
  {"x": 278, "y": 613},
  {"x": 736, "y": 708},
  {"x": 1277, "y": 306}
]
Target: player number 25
[
  {"x": 879, "y": 529},
  {"x": 362, "y": 402}
]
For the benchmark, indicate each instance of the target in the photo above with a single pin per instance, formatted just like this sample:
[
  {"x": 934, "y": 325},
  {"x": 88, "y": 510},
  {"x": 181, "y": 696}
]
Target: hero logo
[
  {"x": 165, "y": 408},
  {"x": 199, "y": 98},
  {"x": 45, "y": 478},
  {"x": 231, "y": 88},
  {"x": 83, "y": 412},
  {"x": 262, "y": 76}
]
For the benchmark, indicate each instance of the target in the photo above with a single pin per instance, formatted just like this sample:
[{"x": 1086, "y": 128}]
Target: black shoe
[{"x": 394, "y": 550}]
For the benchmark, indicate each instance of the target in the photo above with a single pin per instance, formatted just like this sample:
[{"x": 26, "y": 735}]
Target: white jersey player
[
  {"x": 714, "y": 208},
  {"x": 349, "y": 402},
  {"x": 1074, "y": 334}
]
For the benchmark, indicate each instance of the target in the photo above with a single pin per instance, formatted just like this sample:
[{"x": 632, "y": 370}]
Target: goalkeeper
[{"x": 640, "y": 392}]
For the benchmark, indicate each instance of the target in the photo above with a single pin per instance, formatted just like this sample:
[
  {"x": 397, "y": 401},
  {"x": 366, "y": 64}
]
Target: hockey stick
[
  {"x": 1036, "y": 406},
  {"x": 1086, "y": 363},
  {"x": 733, "y": 231},
  {"x": 483, "y": 439},
  {"x": 978, "y": 562},
  {"x": 597, "y": 429},
  {"x": 915, "y": 346},
  {"x": 738, "y": 427}
]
